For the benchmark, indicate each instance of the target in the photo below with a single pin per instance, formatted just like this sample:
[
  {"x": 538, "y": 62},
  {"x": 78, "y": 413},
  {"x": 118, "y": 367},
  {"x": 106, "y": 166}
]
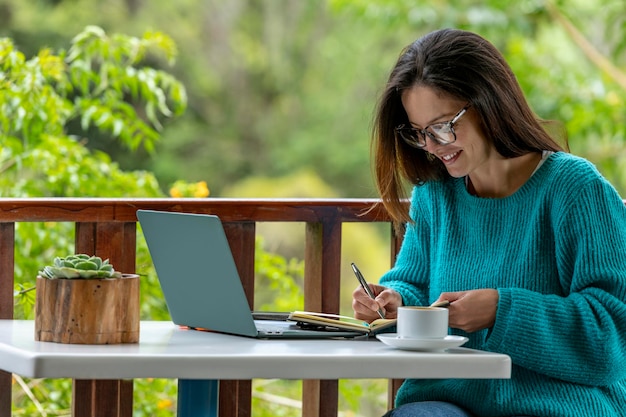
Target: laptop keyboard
[
  {"x": 270, "y": 315},
  {"x": 272, "y": 328}
]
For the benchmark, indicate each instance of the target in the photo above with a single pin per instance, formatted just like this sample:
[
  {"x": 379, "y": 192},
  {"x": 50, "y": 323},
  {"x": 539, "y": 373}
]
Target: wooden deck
[{"x": 107, "y": 228}]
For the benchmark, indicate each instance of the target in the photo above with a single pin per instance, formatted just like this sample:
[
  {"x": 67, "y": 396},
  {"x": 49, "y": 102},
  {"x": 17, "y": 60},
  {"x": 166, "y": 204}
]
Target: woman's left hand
[{"x": 471, "y": 310}]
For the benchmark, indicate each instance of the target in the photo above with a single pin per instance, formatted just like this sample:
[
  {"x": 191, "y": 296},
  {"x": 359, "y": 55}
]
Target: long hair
[{"x": 464, "y": 66}]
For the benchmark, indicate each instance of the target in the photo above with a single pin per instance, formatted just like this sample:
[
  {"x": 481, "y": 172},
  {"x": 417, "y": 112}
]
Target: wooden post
[
  {"x": 117, "y": 242},
  {"x": 7, "y": 246},
  {"x": 322, "y": 268},
  {"x": 235, "y": 396},
  {"x": 102, "y": 398}
]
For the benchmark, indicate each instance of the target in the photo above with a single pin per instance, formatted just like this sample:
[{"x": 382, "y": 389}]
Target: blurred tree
[
  {"x": 103, "y": 85},
  {"x": 93, "y": 83},
  {"x": 276, "y": 86},
  {"x": 89, "y": 83}
]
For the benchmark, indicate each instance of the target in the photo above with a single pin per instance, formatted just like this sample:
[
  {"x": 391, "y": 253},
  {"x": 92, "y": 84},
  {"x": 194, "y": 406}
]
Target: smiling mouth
[{"x": 450, "y": 157}]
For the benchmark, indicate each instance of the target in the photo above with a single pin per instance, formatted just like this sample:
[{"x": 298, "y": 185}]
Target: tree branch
[{"x": 595, "y": 56}]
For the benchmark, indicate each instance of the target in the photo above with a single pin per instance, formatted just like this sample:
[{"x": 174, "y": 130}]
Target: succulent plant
[{"x": 79, "y": 266}]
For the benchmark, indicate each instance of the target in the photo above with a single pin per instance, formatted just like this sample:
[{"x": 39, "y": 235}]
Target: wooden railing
[{"x": 107, "y": 228}]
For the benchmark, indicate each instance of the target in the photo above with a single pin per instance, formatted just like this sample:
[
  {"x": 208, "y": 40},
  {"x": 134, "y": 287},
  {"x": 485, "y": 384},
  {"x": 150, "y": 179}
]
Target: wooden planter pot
[{"x": 87, "y": 311}]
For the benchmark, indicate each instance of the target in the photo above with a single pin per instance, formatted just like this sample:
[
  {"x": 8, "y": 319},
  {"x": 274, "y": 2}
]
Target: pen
[{"x": 366, "y": 287}]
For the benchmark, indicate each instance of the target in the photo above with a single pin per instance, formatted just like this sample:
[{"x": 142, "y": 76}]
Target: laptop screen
[{"x": 196, "y": 270}]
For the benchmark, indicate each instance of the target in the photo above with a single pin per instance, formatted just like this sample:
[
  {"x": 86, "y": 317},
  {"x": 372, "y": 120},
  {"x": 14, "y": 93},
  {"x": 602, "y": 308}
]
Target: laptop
[{"x": 200, "y": 282}]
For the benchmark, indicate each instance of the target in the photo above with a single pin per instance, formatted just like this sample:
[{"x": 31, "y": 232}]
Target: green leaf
[
  {"x": 96, "y": 260},
  {"x": 87, "y": 265}
]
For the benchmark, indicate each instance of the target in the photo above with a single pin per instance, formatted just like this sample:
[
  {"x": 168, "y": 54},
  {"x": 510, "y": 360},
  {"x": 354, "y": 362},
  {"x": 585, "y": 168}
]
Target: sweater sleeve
[
  {"x": 409, "y": 275},
  {"x": 580, "y": 335}
]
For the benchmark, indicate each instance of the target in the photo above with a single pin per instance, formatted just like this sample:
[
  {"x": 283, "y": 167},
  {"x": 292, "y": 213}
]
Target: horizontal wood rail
[{"x": 107, "y": 228}]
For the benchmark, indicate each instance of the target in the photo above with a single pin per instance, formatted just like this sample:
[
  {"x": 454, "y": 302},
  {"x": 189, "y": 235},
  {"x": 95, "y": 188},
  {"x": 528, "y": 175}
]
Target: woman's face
[{"x": 424, "y": 106}]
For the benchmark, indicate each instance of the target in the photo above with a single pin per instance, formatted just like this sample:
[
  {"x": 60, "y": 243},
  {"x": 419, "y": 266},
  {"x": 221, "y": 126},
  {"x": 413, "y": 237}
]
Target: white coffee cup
[{"x": 422, "y": 322}]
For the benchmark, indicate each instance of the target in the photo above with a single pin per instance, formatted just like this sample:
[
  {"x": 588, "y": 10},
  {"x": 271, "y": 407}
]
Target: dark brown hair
[{"x": 464, "y": 66}]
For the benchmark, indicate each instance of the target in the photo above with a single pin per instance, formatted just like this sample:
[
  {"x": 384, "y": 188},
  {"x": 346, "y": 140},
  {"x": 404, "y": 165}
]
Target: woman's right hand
[{"x": 365, "y": 308}]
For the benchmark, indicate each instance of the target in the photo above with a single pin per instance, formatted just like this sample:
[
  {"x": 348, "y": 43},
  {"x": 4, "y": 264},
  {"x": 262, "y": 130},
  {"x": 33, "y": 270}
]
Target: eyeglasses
[{"x": 442, "y": 133}]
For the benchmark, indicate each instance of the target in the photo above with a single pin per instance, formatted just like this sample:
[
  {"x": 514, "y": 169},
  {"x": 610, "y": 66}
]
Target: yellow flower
[
  {"x": 202, "y": 190},
  {"x": 182, "y": 189},
  {"x": 175, "y": 192},
  {"x": 164, "y": 403}
]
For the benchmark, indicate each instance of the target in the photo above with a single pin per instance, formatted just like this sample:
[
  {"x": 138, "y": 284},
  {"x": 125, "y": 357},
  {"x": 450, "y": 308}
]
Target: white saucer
[{"x": 393, "y": 340}]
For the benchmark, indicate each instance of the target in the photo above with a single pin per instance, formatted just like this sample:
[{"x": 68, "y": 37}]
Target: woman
[{"x": 526, "y": 241}]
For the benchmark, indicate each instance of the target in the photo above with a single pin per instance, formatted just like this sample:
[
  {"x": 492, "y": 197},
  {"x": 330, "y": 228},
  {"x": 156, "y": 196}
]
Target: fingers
[
  {"x": 440, "y": 303},
  {"x": 365, "y": 308},
  {"x": 389, "y": 300},
  {"x": 472, "y": 310},
  {"x": 451, "y": 296}
]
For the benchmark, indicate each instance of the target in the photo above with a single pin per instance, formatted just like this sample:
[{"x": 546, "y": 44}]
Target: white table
[{"x": 166, "y": 351}]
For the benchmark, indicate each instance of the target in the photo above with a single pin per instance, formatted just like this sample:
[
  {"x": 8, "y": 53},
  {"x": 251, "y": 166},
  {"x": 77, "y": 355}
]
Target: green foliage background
[
  {"x": 258, "y": 98},
  {"x": 278, "y": 86}
]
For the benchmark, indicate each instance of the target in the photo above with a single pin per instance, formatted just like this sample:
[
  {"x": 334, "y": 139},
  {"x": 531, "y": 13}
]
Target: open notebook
[
  {"x": 200, "y": 282},
  {"x": 336, "y": 321}
]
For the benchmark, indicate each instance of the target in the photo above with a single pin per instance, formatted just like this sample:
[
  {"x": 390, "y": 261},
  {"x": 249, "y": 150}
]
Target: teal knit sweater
[{"x": 556, "y": 252}]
